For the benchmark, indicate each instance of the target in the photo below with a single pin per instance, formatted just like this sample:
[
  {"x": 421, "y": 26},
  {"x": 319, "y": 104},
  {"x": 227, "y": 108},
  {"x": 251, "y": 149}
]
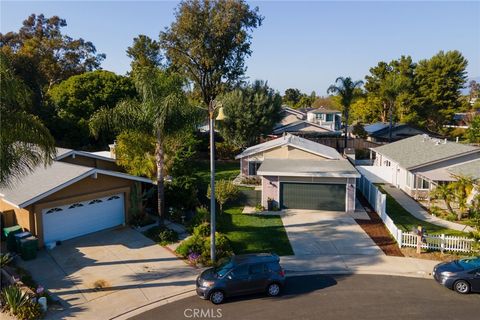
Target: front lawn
[
  {"x": 250, "y": 233},
  {"x": 406, "y": 222},
  {"x": 224, "y": 170}
]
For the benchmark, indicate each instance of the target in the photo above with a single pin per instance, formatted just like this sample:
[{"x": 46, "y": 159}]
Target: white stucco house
[{"x": 297, "y": 173}]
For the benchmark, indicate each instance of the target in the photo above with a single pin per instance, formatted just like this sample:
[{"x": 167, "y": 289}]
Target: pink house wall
[
  {"x": 244, "y": 165},
  {"x": 270, "y": 190}
]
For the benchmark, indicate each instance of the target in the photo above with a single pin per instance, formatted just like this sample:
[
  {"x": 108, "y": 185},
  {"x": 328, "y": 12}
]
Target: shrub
[
  {"x": 5, "y": 259},
  {"x": 29, "y": 311},
  {"x": 451, "y": 217},
  {"x": 201, "y": 215},
  {"x": 202, "y": 230},
  {"x": 193, "y": 244},
  {"x": 14, "y": 298},
  {"x": 225, "y": 191},
  {"x": 256, "y": 181},
  {"x": 226, "y": 151},
  {"x": 167, "y": 236},
  {"x": 436, "y": 211}
]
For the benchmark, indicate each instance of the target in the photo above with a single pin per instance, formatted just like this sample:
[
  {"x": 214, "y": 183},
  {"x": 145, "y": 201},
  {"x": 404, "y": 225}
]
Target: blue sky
[{"x": 305, "y": 45}]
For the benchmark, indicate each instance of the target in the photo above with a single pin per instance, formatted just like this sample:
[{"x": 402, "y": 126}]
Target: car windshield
[
  {"x": 223, "y": 268},
  {"x": 469, "y": 263}
]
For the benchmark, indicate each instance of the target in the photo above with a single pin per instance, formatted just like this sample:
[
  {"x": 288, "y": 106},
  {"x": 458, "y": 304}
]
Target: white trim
[
  {"x": 74, "y": 153},
  {"x": 93, "y": 172},
  {"x": 312, "y": 174},
  {"x": 123, "y": 175}
]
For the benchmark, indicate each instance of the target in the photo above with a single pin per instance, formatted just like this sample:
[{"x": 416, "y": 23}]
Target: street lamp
[{"x": 221, "y": 116}]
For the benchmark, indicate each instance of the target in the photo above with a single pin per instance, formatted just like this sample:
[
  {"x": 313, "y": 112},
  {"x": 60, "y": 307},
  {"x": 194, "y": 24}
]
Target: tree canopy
[
  {"x": 209, "y": 41},
  {"x": 251, "y": 112},
  {"x": 76, "y": 99}
]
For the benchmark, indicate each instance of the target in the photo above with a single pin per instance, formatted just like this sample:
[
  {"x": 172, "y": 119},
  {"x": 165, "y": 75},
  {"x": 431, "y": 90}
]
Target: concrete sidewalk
[
  {"x": 358, "y": 264},
  {"x": 418, "y": 212}
]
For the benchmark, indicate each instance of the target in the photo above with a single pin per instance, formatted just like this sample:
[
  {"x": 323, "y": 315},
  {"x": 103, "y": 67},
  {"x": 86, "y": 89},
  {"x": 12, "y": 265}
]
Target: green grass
[
  {"x": 251, "y": 233},
  {"x": 406, "y": 222},
  {"x": 223, "y": 170}
]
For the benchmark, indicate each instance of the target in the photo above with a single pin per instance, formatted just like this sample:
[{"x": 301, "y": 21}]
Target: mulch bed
[{"x": 377, "y": 231}]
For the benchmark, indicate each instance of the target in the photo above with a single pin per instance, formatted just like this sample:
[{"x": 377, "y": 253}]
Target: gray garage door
[{"x": 314, "y": 196}]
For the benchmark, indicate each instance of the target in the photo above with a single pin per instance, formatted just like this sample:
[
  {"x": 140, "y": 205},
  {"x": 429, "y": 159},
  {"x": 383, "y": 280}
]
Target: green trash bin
[
  {"x": 9, "y": 234},
  {"x": 19, "y": 236},
  {"x": 28, "y": 248}
]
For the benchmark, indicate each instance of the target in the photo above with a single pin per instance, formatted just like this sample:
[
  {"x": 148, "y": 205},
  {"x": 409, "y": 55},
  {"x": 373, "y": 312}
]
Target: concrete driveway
[
  {"x": 133, "y": 270},
  {"x": 314, "y": 232}
]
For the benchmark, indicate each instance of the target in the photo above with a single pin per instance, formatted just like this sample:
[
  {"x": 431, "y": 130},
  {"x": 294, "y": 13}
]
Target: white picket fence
[
  {"x": 438, "y": 242},
  {"x": 378, "y": 201}
]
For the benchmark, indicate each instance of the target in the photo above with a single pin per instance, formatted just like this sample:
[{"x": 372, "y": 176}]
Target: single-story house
[
  {"x": 297, "y": 173},
  {"x": 415, "y": 164},
  {"x": 380, "y": 131},
  {"x": 79, "y": 193}
]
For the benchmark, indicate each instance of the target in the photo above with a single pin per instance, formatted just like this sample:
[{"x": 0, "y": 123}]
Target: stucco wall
[
  {"x": 22, "y": 216},
  {"x": 270, "y": 190}
]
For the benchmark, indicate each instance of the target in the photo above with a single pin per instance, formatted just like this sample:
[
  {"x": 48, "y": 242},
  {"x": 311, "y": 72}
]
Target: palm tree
[
  {"x": 345, "y": 88},
  {"x": 25, "y": 142},
  {"x": 158, "y": 112},
  {"x": 445, "y": 193}
]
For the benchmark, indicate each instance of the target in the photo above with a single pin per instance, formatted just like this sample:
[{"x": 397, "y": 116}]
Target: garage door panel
[
  {"x": 313, "y": 196},
  {"x": 77, "y": 219}
]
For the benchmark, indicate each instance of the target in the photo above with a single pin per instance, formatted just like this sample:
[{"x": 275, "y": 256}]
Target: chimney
[{"x": 112, "y": 149}]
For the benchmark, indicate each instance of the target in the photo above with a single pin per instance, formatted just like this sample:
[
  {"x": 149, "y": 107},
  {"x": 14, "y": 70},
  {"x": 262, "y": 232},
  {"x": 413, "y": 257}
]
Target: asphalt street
[{"x": 323, "y": 297}]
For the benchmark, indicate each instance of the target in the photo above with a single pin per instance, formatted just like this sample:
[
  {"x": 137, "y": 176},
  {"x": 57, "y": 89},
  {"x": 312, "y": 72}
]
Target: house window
[
  {"x": 421, "y": 184},
  {"x": 387, "y": 163},
  {"x": 95, "y": 201},
  {"x": 54, "y": 210},
  {"x": 329, "y": 117},
  {"x": 319, "y": 116},
  {"x": 75, "y": 205},
  {"x": 113, "y": 198},
  {"x": 253, "y": 167}
]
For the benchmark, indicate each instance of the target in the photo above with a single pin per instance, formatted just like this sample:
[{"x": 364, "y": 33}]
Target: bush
[
  {"x": 202, "y": 230},
  {"x": 256, "y": 181},
  {"x": 451, "y": 217},
  {"x": 226, "y": 151},
  {"x": 167, "y": 236},
  {"x": 30, "y": 311},
  {"x": 201, "y": 215},
  {"x": 436, "y": 211},
  {"x": 197, "y": 247},
  {"x": 14, "y": 298}
]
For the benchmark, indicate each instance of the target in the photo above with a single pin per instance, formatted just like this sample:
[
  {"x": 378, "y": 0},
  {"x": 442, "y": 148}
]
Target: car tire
[
  {"x": 273, "y": 289},
  {"x": 217, "y": 297},
  {"x": 461, "y": 286}
]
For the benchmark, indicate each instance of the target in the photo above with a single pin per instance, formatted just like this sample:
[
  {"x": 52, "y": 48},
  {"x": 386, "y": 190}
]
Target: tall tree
[
  {"x": 76, "y": 99},
  {"x": 144, "y": 52},
  {"x": 251, "y": 112},
  {"x": 209, "y": 41},
  {"x": 346, "y": 89},
  {"x": 159, "y": 112},
  {"x": 24, "y": 141},
  {"x": 440, "y": 79},
  {"x": 291, "y": 97}
]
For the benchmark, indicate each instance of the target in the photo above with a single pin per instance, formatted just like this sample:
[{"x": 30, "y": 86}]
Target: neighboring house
[
  {"x": 380, "y": 131},
  {"x": 418, "y": 163},
  {"x": 79, "y": 193},
  {"x": 329, "y": 119},
  {"x": 297, "y": 173},
  {"x": 462, "y": 119},
  {"x": 302, "y": 126}
]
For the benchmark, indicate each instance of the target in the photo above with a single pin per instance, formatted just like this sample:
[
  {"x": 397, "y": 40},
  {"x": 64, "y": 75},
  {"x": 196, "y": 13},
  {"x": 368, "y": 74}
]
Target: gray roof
[
  {"x": 296, "y": 142},
  {"x": 287, "y": 127},
  {"x": 470, "y": 169},
  {"x": 324, "y": 110},
  {"x": 62, "y": 152},
  {"x": 44, "y": 181},
  {"x": 421, "y": 150},
  {"x": 308, "y": 168}
]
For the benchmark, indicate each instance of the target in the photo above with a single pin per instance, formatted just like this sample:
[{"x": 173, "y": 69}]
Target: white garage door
[{"x": 77, "y": 219}]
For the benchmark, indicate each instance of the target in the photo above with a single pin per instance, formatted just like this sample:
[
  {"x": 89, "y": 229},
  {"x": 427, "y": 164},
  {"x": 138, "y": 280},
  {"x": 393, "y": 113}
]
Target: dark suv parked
[{"x": 242, "y": 274}]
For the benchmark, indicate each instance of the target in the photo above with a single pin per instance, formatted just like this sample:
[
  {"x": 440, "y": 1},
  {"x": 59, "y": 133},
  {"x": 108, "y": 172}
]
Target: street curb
[
  {"x": 419, "y": 274},
  {"x": 154, "y": 304}
]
